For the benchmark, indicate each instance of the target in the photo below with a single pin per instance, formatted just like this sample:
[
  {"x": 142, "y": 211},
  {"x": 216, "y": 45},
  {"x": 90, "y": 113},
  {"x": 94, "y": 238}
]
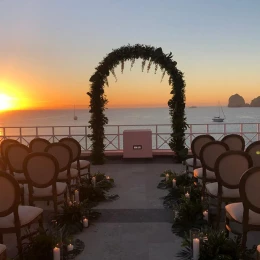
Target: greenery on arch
[{"x": 150, "y": 55}]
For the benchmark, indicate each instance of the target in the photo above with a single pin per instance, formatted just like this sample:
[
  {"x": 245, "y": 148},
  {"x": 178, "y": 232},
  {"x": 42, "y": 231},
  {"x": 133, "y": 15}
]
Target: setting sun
[{"x": 5, "y": 102}]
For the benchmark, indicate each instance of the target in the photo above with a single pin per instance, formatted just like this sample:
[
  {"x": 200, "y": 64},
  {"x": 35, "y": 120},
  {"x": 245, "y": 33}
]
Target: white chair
[
  {"x": 196, "y": 145},
  {"x": 63, "y": 154},
  {"x": 208, "y": 156},
  {"x": 78, "y": 164},
  {"x": 247, "y": 212},
  {"x": 12, "y": 216},
  {"x": 235, "y": 142},
  {"x": 254, "y": 151},
  {"x": 229, "y": 168},
  {"x": 38, "y": 144},
  {"x": 41, "y": 171}
]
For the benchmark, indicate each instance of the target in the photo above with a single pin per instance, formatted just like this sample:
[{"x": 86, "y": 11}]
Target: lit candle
[
  {"x": 70, "y": 247},
  {"x": 196, "y": 248},
  {"x": 56, "y": 253},
  {"x": 108, "y": 177},
  {"x": 258, "y": 252},
  {"x": 167, "y": 177},
  {"x": 187, "y": 195},
  {"x": 206, "y": 215},
  {"x": 173, "y": 183},
  {"x": 77, "y": 196},
  {"x": 70, "y": 203},
  {"x": 94, "y": 181},
  {"x": 85, "y": 222}
]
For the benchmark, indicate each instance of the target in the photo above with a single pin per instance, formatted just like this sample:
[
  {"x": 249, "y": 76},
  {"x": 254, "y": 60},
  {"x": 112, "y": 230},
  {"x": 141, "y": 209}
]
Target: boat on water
[
  {"x": 192, "y": 107},
  {"x": 219, "y": 119},
  {"x": 75, "y": 117}
]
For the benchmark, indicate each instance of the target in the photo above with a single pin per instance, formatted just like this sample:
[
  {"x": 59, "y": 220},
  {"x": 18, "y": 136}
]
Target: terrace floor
[{"x": 136, "y": 226}]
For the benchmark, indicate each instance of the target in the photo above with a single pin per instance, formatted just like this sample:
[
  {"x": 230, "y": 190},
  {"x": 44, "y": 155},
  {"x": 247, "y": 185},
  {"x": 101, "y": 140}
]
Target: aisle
[{"x": 136, "y": 226}]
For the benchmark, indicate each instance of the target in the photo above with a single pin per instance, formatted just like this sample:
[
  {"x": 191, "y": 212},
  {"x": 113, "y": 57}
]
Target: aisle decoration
[
  {"x": 150, "y": 55},
  {"x": 96, "y": 189},
  {"x": 213, "y": 244},
  {"x": 191, "y": 220}
]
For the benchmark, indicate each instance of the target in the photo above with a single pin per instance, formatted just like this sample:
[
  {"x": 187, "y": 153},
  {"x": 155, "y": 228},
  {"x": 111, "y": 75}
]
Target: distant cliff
[
  {"x": 238, "y": 101},
  {"x": 255, "y": 102}
]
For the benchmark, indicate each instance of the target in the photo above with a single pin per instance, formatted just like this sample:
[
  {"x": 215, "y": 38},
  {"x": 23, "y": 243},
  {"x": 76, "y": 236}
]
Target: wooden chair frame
[
  {"x": 14, "y": 209},
  {"x": 235, "y": 136}
]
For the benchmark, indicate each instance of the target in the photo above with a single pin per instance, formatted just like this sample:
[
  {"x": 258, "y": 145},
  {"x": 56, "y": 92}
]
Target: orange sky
[{"x": 133, "y": 88}]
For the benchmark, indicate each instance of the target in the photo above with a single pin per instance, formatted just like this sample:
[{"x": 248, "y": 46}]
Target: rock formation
[
  {"x": 255, "y": 102},
  {"x": 236, "y": 101}
]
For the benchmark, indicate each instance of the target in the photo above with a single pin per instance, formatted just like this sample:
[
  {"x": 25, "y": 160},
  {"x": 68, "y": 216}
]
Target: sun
[{"x": 5, "y": 102}]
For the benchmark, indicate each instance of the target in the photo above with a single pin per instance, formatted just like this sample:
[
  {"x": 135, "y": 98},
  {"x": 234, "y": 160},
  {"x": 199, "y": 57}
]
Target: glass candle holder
[{"x": 195, "y": 243}]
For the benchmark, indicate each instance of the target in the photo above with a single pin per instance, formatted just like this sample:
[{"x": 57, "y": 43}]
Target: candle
[
  {"x": 167, "y": 177},
  {"x": 258, "y": 252},
  {"x": 94, "y": 181},
  {"x": 56, "y": 253},
  {"x": 173, "y": 183},
  {"x": 206, "y": 215},
  {"x": 70, "y": 247},
  {"x": 77, "y": 196},
  {"x": 108, "y": 177},
  {"x": 70, "y": 203},
  {"x": 85, "y": 222},
  {"x": 187, "y": 195},
  {"x": 196, "y": 248}
]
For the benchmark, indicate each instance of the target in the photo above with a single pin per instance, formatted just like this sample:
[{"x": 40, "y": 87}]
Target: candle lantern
[{"x": 195, "y": 243}]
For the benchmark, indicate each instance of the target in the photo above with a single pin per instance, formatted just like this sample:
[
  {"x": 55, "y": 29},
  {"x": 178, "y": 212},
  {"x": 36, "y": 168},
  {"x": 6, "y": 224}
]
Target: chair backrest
[
  {"x": 9, "y": 195},
  {"x": 41, "y": 169},
  {"x": 249, "y": 187},
  {"x": 74, "y": 145},
  {"x": 230, "y": 167},
  {"x": 38, "y": 144},
  {"x": 2, "y": 165},
  {"x": 15, "y": 155},
  {"x": 4, "y": 144},
  {"x": 62, "y": 153},
  {"x": 235, "y": 142},
  {"x": 210, "y": 152},
  {"x": 254, "y": 151},
  {"x": 198, "y": 142}
]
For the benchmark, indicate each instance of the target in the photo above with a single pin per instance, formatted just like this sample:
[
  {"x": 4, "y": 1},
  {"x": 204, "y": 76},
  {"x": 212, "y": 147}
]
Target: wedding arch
[{"x": 98, "y": 99}]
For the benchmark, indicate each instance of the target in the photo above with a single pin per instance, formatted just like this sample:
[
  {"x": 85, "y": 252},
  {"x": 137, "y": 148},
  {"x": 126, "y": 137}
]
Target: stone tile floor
[{"x": 136, "y": 226}]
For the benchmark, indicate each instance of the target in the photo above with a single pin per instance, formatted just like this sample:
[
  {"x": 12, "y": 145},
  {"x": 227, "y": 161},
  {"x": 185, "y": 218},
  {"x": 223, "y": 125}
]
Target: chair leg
[
  {"x": 227, "y": 224},
  {"x": 19, "y": 243},
  {"x": 244, "y": 240},
  {"x": 218, "y": 212},
  {"x": 40, "y": 221},
  {"x": 1, "y": 238},
  {"x": 22, "y": 196},
  {"x": 55, "y": 204}
]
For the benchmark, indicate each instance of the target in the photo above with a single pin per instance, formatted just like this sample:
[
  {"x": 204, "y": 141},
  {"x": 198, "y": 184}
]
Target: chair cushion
[
  {"x": 83, "y": 164},
  {"x": 212, "y": 189},
  {"x": 189, "y": 162},
  {"x": 2, "y": 248},
  {"x": 236, "y": 210},
  {"x": 46, "y": 192},
  {"x": 26, "y": 215},
  {"x": 19, "y": 176},
  {"x": 209, "y": 174},
  {"x": 63, "y": 175}
]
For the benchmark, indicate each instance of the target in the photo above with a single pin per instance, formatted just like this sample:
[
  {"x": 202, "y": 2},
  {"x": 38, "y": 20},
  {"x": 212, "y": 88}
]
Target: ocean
[{"x": 50, "y": 119}]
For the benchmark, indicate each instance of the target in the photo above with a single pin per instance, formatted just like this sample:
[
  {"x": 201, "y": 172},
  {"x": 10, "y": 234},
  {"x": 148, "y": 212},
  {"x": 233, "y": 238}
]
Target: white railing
[{"x": 114, "y": 133}]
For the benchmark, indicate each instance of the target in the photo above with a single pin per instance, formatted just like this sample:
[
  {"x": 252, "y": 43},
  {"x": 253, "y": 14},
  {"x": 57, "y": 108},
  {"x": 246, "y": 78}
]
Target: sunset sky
[{"x": 50, "y": 48}]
